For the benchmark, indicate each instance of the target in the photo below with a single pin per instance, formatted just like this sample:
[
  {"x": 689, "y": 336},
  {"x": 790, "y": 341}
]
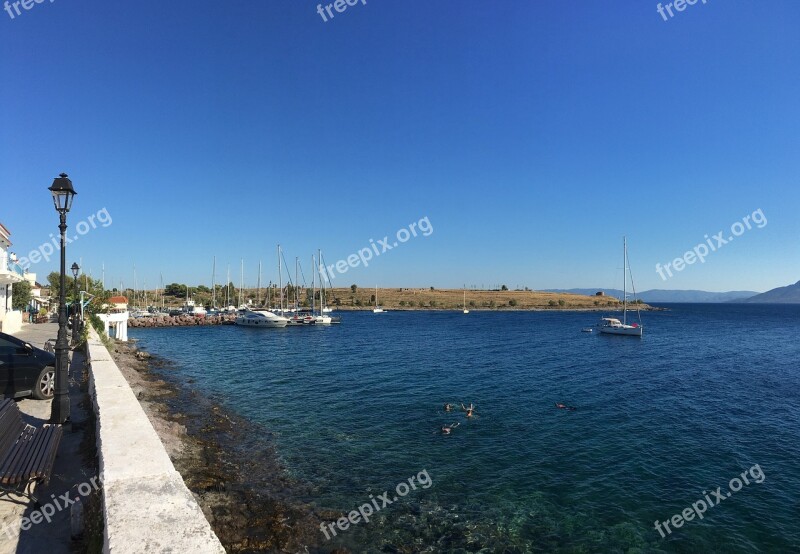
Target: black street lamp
[
  {"x": 63, "y": 193},
  {"x": 75, "y": 269}
]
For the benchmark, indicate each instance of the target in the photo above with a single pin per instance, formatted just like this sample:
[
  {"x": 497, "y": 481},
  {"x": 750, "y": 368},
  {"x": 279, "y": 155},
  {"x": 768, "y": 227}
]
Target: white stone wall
[{"x": 146, "y": 504}]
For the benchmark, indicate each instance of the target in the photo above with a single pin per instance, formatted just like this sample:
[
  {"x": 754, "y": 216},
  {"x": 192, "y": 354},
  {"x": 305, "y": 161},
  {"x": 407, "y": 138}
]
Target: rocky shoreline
[
  {"x": 181, "y": 321},
  {"x": 245, "y": 494}
]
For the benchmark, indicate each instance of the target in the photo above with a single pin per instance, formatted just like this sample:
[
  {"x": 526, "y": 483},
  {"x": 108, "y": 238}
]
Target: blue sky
[{"x": 532, "y": 135}]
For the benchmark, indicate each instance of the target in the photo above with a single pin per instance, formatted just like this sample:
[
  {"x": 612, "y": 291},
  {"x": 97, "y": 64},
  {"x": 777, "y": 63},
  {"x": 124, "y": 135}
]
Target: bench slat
[
  {"x": 26, "y": 453},
  {"x": 11, "y": 427},
  {"x": 42, "y": 452},
  {"x": 11, "y": 470}
]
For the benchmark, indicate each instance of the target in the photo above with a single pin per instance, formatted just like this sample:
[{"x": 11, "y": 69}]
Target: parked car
[{"x": 25, "y": 370}]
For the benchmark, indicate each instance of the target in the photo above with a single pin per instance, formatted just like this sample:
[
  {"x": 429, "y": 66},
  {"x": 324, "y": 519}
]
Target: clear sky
[{"x": 532, "y": 135}]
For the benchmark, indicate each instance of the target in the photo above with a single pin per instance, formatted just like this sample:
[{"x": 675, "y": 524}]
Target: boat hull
[
  {"x": 627, "y": 331},
  {"x": 261, "y": 320}
]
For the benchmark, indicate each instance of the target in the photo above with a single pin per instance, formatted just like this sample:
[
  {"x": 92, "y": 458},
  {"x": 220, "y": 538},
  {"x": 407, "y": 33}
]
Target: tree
[
  {"x": 353, "y": 289},
  {"x": 20, "y": 295},
  {"x": 504, "y": 287},
  {"x": 54, "y": 281},
  {"x": 85, "y": 283},
  {"x": 561, "y": 302},
  {"x": 175, "y": 289},
  {"x": 512, "y": 303}
]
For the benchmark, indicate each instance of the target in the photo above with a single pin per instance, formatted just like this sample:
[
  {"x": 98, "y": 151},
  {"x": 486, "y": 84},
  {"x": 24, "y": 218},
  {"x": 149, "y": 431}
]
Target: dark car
[{"x": 25, "y": 370}]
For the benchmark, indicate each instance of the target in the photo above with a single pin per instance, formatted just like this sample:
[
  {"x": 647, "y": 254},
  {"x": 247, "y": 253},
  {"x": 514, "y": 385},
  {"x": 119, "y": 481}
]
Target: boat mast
[
  {"x": 624, "y": 280},
  {"x": 241, "y": 285},
  {"x": 228, "y": 289},
  {"x": 280, "y": 276},
  {"x": 214, "y": 284},
  {"x": 313, "y": 286},
  {"x": 321, "y": 282},
  {"x": 258, "y": 296},
  {"x": 296, "y": 294}
]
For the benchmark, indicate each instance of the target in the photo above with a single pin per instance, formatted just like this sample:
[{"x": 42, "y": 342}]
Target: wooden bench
[{"x": 27, "y": 454}]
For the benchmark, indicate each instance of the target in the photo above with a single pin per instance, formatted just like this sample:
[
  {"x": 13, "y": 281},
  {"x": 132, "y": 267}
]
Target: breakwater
[{"x": 181, "y": 321}]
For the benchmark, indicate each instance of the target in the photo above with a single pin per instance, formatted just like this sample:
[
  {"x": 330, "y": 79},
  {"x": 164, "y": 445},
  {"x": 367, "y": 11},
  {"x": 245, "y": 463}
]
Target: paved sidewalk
[{"x": 68, "y": 471}]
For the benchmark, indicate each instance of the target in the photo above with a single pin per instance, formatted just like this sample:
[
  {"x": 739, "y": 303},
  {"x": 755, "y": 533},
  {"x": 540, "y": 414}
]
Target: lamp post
[
  {"x": 63, "y": 193},
  {"x": 75, "y": 269}
]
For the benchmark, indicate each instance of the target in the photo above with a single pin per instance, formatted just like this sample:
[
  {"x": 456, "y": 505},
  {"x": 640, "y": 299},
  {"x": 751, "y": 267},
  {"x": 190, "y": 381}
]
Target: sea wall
[
  {"x": 181, "y": 321},
  {"x": 146, "y": 504}
]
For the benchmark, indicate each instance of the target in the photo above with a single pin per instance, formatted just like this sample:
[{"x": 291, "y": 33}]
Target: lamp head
[{"x": 63, "y": 193}]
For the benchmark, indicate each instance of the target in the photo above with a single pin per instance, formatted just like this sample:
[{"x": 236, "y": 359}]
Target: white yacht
[
  {"x": 377, "y": 309},
  {"x": 261, "y": 318},
  {"x": 612, "y": 325},
  {"x": 189, "y": 308}
]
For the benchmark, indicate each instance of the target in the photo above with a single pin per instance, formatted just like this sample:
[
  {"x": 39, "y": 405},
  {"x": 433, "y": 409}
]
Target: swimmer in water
[
  {"x": 468, "y": 410},
  {"x": 447, "y": 428},
  {"x": 565, "y": 407},
  {"x": 448, "y": 407}
]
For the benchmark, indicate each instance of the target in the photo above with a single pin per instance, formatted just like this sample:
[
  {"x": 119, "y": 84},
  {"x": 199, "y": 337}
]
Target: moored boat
[
  {"x": 612, "y": 325},
  {"x": 261, "y": 318}
]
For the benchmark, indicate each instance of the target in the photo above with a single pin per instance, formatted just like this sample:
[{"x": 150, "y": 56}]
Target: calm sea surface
[{"x": 710, "y": 391}]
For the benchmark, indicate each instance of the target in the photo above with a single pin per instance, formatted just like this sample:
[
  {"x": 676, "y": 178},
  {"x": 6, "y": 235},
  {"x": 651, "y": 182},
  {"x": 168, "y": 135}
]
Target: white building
[
  {"x": 10, "y": 273},
  {"x": 115, "y": 320},
  {"x": 38, "y": 301}
]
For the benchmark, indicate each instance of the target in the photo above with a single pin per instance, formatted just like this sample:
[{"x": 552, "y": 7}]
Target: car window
[
  {"x": 7, "y": 345},
  {"x": 7, "y": 348}
]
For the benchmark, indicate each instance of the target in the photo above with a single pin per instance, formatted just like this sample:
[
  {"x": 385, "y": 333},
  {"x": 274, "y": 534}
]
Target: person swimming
[
  {"x": 565, "y": 407},
  {"x": 448, "y": 407},
  {"x": 447, "y": 428},
  {"x": 468, "y": 410}
]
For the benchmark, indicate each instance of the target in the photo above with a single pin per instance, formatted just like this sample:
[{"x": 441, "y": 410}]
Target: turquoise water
[{"x": 355, "y": 409}]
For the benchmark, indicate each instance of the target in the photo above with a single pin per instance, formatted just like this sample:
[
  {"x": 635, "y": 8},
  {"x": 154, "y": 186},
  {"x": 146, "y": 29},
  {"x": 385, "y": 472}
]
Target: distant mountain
[
  {"x": 697, "y": 296},
  {"x": 781, "y": 295},
  {"x": 687, "y": 296}
]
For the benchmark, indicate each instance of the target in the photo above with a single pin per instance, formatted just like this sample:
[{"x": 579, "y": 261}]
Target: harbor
[{"x": 421, "y": 278}]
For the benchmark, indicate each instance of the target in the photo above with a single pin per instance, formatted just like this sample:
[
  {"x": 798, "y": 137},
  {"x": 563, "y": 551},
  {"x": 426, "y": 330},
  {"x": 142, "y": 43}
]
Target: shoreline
[
  {"x": 245, "y": 494},
  {"x": 188, "y": 321}
]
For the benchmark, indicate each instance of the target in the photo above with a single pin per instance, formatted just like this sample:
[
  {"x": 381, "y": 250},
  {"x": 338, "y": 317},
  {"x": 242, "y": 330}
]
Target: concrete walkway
[{"x": 68, "y": 471}]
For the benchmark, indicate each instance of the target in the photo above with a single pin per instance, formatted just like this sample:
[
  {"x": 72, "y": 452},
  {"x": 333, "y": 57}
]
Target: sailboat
[
  {"x": 377, "y": 309},
  {"x": 261, "y": 317},
  {"x": 466, "y": 311},
  {"x": 612, "y": 325},
  {"x": 322, "y": 317}
]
